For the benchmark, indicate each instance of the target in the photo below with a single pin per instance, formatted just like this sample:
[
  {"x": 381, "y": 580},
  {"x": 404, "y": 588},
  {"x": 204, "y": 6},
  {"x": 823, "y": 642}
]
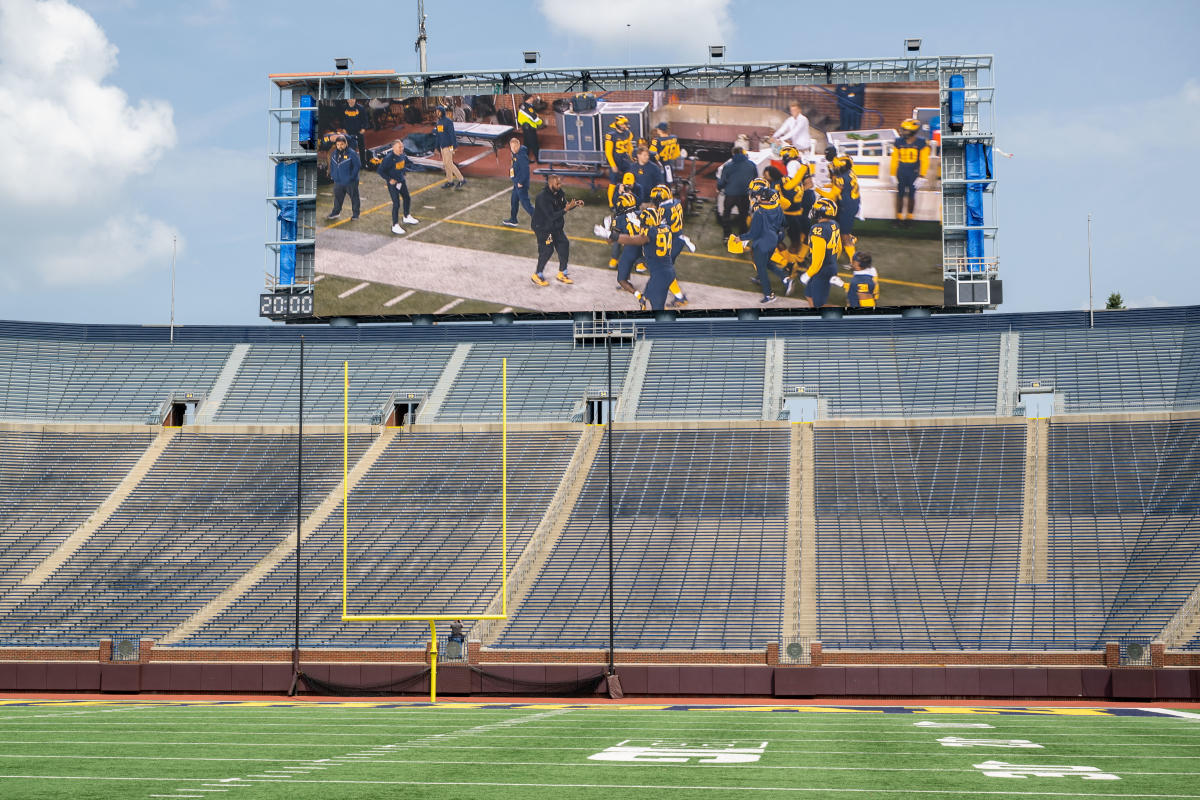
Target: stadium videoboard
[{"x": 849, "y": 170}]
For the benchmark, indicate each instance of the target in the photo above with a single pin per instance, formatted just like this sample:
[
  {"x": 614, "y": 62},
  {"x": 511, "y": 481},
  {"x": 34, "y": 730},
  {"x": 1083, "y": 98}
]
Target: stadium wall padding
[{"x": 693, "y": 680}]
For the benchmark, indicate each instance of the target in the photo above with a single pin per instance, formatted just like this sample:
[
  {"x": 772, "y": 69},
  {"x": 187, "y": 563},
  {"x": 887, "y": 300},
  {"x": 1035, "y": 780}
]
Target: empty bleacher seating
[
  {"x": 1130, "y": 369},
  {"x": 210, "y": 507},
  {"x": 425, "y": 530},
  {"x": 704, "y": 379},
  {"x": 546, "y": 382},
  {"x": 267, "y": 385},
  {"x": 100, "y": 381},
  {"x": 897, "y": 376},
  {"x": 699, "y": 538},
  {"x": 50, "y": 482}
]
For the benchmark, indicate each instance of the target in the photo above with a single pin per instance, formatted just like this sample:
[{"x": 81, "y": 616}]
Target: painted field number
[
  {"x": 998, "y": 769},
  {"x": 961, "y": 741},
  {"x": 667, "y": 751}
]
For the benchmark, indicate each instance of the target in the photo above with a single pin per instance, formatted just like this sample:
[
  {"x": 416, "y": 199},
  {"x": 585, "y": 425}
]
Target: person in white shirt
[{"x": 794, "y": 130}]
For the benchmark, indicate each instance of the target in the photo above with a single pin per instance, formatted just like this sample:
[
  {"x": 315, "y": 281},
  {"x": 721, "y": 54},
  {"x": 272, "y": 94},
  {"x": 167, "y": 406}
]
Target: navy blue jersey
[
  {"x": 826, "y": 239},
  {"x": 657, "y": 251},
  {"x": 863, "y": 289}
]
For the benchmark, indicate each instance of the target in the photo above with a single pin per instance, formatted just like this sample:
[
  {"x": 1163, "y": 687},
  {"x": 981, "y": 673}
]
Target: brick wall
[{"x": 476, "y": 654}]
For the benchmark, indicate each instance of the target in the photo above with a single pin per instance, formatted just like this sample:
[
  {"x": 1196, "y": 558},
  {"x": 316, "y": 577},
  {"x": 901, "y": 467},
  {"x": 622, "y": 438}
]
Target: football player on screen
[
  {"x": 796, "y": 198},
  {"x": 672, "y": 211},
  {"x": 656, "y": 242},
  {"x": 827, "y": 245},
  {"x": 764, "y": 236},
  {"x": 910, "y": 162},
  {"x": 843, "y": 191}
]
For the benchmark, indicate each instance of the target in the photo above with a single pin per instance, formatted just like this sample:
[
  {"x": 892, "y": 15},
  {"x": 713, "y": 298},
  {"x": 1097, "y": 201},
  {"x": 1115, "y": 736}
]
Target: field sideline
[{"x": 270, "y": 748}]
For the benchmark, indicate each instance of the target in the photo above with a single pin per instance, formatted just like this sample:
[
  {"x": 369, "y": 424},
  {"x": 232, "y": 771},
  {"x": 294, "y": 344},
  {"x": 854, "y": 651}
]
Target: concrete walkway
[{"x": 502, "y": 279}]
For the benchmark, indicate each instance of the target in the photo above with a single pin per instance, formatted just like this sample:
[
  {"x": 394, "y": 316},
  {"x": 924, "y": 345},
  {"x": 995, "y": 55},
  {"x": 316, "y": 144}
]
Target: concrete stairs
[
  {"x": 800, "y": 572},
  {"x": 101, "y": 515},
  {"x": 220, "y": 388},
  {"x": 635, "y": 376},
  {"x": 529, "y": 564},
  {"x": 1035, "y": 509},
  {"x": 432, "y": 404},
  {"x": 286, "y": 546}
]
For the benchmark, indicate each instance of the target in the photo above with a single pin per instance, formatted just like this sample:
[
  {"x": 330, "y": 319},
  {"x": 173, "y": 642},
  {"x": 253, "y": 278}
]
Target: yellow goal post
[{"x": 432, "y": 619}]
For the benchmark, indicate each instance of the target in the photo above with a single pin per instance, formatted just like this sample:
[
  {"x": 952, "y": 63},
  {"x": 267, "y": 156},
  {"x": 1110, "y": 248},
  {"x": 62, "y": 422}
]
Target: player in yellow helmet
[
  {"x": 910, "y": 162},
  {"x": 843, "y": 190},
  {"x": 618, "y": 151},
  {"x": 796, "y": 197},
  {"x": 826, "y": 247},
  {"x": 672, "y": 212}
]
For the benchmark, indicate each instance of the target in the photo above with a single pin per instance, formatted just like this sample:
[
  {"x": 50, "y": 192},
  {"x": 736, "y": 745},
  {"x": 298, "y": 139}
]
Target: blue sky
[{"x": 1098, "y": 101}]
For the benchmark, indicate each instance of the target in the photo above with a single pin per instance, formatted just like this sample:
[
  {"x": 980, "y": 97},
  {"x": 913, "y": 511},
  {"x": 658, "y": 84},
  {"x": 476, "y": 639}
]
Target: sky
[{"x": 138, "y": 128}]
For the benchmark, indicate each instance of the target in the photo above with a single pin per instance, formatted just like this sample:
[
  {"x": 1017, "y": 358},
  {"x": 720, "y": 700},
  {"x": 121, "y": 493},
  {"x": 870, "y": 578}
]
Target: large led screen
[{"x": 732, "y": 198}]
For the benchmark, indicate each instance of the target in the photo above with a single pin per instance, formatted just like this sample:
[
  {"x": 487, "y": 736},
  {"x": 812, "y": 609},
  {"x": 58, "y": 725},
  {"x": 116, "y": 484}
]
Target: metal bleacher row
[
  {"x": 424, "y": 537},
  {"x": 209, "y": 508},
  {"x": 700, "y": 522},
  {"x": 919, "y": 549},
  {"x": 50, "y": 483},
  {"x": 917, "y": 528},
  {"x": 918, "y": 522},
  {"x": 699, "y": 369}
]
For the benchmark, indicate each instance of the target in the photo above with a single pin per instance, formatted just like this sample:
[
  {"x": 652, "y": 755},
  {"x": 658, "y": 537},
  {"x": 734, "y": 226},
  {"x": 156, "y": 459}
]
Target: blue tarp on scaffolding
[
  {"x": 956, "y": 102},
  {"x": 286, "y": 175},
  {"x": 308, "y": 121},
  {"x": 978, "y": 158}
]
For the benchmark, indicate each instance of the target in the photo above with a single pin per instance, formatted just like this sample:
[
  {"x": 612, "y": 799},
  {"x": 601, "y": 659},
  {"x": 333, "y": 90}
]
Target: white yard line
[
  {"x": 1172, "y": 712},
  {"x": 353, "y": 289},
  {"x": 448, "y": 306},
  {"x": 20, "y": 717},
  {"x": 418, "y": 231},
  {"x": 651, "y": 787},
  {"x": 384, "y": 749},
  {"x": 309, "y": 767},
  {"x": 399, "y": 298}
]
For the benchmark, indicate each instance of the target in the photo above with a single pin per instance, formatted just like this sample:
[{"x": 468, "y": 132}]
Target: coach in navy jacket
[
  {"x": 344, "y": 167},
  {"x": 520, "y": 181}
]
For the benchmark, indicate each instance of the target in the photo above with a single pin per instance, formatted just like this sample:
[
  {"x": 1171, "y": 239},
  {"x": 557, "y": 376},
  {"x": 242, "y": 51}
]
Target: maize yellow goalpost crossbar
[{"x": 432, "y": 619}]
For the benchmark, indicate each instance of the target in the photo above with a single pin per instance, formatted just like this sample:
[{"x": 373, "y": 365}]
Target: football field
[{"x": 269, "y": 749}]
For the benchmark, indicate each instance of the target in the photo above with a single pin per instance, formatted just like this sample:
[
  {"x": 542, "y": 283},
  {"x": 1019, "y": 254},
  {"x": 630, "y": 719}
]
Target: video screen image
[{"x": 630, "y": 201}]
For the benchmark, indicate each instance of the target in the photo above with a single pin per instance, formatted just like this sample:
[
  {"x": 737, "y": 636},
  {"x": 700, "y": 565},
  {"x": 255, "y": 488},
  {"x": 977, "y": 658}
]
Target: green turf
[
  {"x": 370, "y": 300},
  {"x": 543, "y": 752}
]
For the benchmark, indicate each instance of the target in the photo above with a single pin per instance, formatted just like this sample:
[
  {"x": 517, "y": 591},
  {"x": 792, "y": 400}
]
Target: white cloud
[
  {"x": 75, "y": 142},
  {"x": 116, "y": 248},
  {"x": 683, "y": 27}
]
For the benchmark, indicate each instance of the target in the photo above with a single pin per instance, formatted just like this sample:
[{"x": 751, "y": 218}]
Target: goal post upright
[{"x": 432, "y": 619}]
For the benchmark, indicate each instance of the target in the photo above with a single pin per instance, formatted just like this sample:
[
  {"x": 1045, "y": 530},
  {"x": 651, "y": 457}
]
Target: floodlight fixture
[
  {"x": 912, "y": 45},
  {"x": 343, "y": 64},
  {"x": 531, "y": 56},
  {"x": 716, "y": 51}
]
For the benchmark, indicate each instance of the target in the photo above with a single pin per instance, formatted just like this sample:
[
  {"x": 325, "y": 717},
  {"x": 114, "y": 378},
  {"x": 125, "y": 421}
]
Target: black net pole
[
  {"x": 609, "y": 447},
  {"x": 299, "y": 520}
]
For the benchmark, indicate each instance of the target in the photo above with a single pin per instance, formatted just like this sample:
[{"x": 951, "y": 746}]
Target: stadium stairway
[
  {"x": 1035, "y": 513},
  {"x": 220, "y": 388},
  {"x": 101, "y": 515},
  {"x": 800, "y": 600},
  {"x": 332, "y": 501},
  {"x": 773, "y": 380},
  {"x": 433, "y": 403},
  {"x": 1185, "y": 625},
  {"x": 558, "y": 512},
  {"x": 635, "y": 377}
]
